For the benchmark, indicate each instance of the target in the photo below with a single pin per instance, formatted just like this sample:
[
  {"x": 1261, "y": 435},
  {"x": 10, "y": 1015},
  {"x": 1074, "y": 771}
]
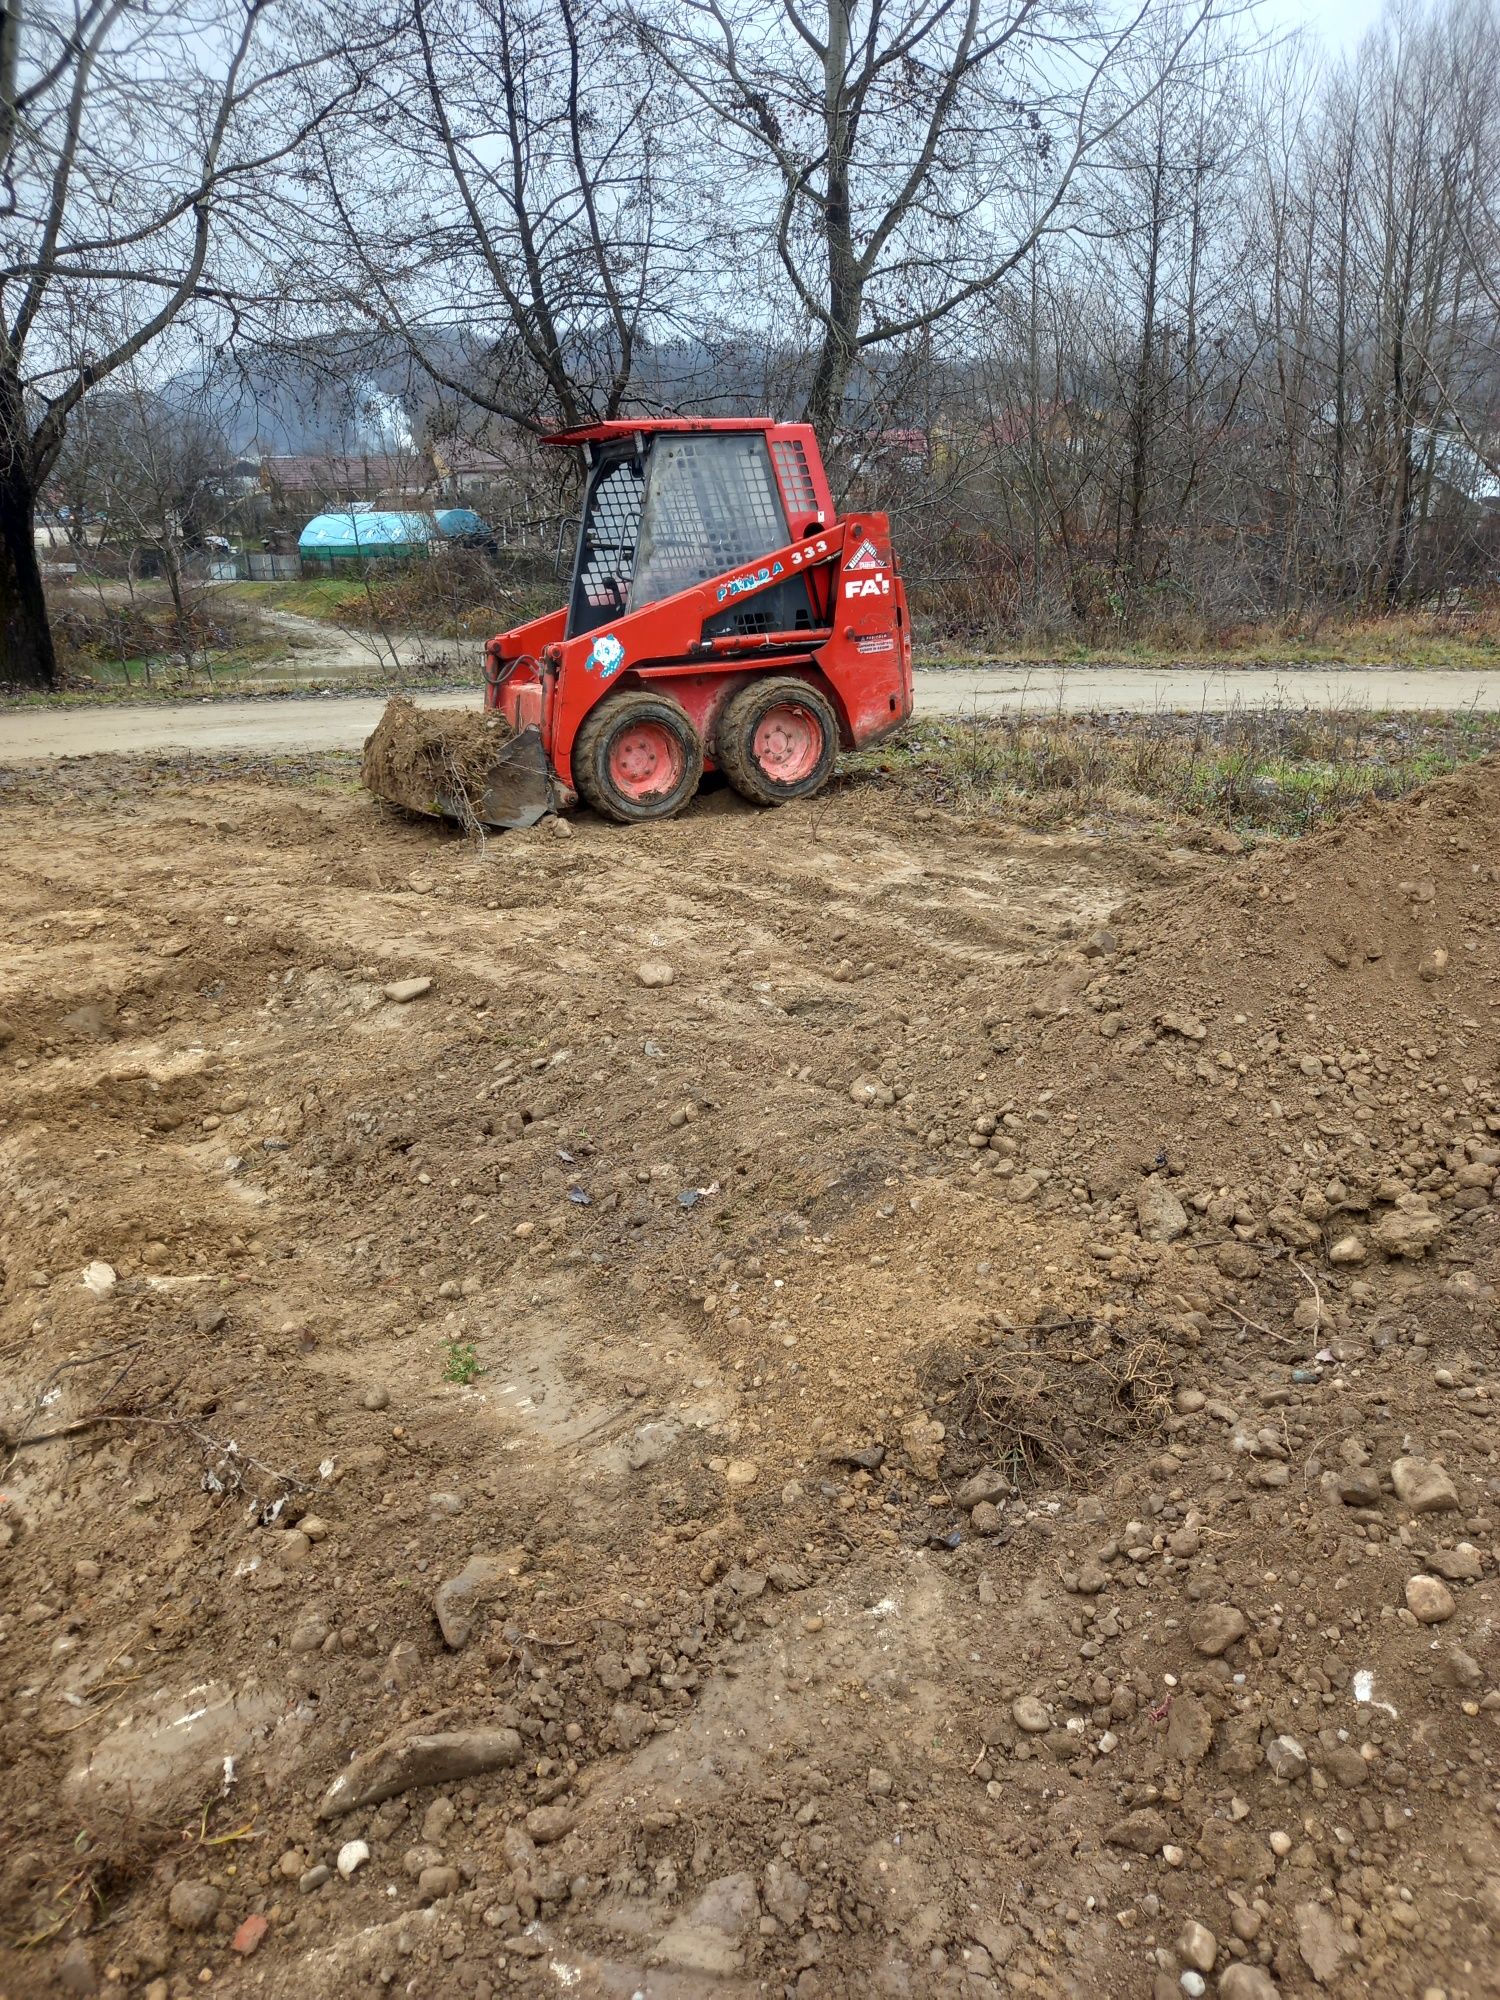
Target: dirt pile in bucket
[{"x": 433, "y": 760}]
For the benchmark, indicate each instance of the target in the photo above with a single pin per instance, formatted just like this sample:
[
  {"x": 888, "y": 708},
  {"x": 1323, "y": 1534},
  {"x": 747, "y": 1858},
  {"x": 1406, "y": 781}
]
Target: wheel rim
[
  {"x": 788, "y": 743},
  {"x": 646, "y": 761}
]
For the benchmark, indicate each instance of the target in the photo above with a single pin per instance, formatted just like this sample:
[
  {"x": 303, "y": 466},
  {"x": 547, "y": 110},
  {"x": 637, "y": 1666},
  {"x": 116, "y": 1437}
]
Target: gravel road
[{"x": 341, "y": 722}]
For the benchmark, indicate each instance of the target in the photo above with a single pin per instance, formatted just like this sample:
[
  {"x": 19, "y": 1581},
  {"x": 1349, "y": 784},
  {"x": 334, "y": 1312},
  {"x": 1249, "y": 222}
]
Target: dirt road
[
  {"x": 839, "y": 1402},
  {"x": 301, "y": 724}
]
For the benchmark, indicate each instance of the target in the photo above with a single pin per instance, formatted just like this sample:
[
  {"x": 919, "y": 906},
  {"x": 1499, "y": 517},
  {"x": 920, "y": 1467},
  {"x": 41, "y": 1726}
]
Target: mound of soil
[
  {"x": 432, "y": 760},
  {"x": 853, "y": 1406}
]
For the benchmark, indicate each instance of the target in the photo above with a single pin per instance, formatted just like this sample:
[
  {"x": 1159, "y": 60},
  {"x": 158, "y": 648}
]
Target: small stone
[
  {"x": 459, "y": 1600},
  {"x": 248, "y": 1936},
  {"x": 192, "y": 1906},
  {"x": 1428, "y": 1601},
  {"x": 1324, "y": 1946},
  {"x": 404, "y": 991},
  {"x": 654, "y": 972},
  {"x": 1287, "y": 1758},
  {"x": 872, "y": 1093},
  {"x": 1348, "y": 1249},
  {"x": 923, "y": 1442},
  {"x": 1188, "y": 1402},
  {"x": 76, "y": 1972},
  {"x": 1280, "y": 1844},
  {"x": 741, "y": 1472},
  {"x": 1247, "y": 1982},
  {"x": 1459, "y": 1669},
  {"x": 1190, "y": 1730},
  {"x": 548, "y": 1823},
  {"x": 315, "y": 1877},
  {"x": 1461, "y": 1565},
  {"x": 1197, "y": 1944},
  {"x": 406, "y": 1762},
  {"x": 309, "y": 1632},
  {"x": 878, "y": 1783},
  {"x": 1346, "y": 1766},
  {"x": 1408, "y": 1230},
  {"x": 1031, "y": 1714},
  {"x": 986, "y": 1519},
  {"x": 1160, "y": 1216},
  {"x": 352, "y": 1857},
  {"x": 99, "y": 1279},
  {"x": 986, "y": 1484},
  {"x": 433, "y": 1884},
  {"x": 1216, "y": 1628},
  {"x": 1357, "y": 1488},
  {"x": 376, "y": 1399},
  {"x": 1423, "y": 1487}
]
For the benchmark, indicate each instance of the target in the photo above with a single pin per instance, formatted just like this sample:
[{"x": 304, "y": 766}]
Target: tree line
[{"x": 1120, "y": 309}]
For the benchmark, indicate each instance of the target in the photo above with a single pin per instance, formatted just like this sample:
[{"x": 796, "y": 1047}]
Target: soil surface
[
  {"x": 819, "y": 1403},
  {"x": 342, "y": 722}
]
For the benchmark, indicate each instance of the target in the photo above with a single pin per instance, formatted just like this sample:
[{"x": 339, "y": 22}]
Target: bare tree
[
  {"x": 894, "y": 147},
  {"x": 505, "y": 221},
  {"x": 141, "y": 149}
]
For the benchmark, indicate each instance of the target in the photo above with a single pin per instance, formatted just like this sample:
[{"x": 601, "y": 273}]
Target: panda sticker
[{"x": 608, "y": 655}]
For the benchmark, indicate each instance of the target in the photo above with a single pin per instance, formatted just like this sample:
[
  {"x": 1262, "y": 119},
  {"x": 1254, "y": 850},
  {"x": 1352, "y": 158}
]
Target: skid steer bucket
[{"x": 454, "y": 764}]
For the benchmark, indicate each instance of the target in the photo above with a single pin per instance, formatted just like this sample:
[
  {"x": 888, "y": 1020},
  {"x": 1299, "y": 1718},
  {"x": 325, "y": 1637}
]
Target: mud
[{"x": 933, "y": 1486}]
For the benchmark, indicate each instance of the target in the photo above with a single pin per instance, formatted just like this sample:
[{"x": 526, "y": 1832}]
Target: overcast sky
[{"x": 1339, "y": 22}]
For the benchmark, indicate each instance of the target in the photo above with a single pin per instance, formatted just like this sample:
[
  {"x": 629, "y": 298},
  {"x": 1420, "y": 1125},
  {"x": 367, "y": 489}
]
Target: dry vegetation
[{"x": 1275, "y": 769}]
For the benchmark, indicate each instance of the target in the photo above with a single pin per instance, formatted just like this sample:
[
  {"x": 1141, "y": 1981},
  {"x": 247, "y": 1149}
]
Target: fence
[{"x": 251, "y": 567}]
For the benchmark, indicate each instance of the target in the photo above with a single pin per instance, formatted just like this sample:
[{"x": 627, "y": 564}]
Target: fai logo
[{"x": 865, "y": 574}]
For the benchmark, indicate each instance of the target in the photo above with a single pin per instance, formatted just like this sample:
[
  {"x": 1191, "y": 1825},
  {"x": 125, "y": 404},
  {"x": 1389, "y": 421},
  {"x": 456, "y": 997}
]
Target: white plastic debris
[{"x": 1364, "y": 1691}]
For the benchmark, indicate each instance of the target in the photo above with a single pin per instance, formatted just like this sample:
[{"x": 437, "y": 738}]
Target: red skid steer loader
[{"x": 720, "y": 616}]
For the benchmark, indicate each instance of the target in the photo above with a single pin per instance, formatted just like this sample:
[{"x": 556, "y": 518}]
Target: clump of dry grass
[
  {"x": 1048, "y": 1401},
  {"x": 1274, "y": 768}
]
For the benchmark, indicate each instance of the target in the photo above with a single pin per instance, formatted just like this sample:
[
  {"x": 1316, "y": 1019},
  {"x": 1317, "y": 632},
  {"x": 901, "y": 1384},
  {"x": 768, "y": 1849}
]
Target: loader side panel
[{"x": 868, "y": 656}]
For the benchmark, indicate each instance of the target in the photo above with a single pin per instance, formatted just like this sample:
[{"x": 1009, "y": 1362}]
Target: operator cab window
[
  {"x": 711, "y": 506},
  {"x": 606, "y": 549}
]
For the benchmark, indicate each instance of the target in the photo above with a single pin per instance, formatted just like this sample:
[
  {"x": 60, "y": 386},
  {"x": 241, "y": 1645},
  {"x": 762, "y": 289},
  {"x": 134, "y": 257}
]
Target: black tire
[
  {"x": 603, "y": 746},
  {"x": 735, "y": 749}
]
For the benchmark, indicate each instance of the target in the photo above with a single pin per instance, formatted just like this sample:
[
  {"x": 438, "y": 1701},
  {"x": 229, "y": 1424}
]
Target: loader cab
[{"x": 666, "y": 508}]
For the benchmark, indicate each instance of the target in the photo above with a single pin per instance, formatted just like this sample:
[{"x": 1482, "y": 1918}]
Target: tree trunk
[
  {"x": 830, "y": 384},
  {"x": 26, "y": 655}
]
